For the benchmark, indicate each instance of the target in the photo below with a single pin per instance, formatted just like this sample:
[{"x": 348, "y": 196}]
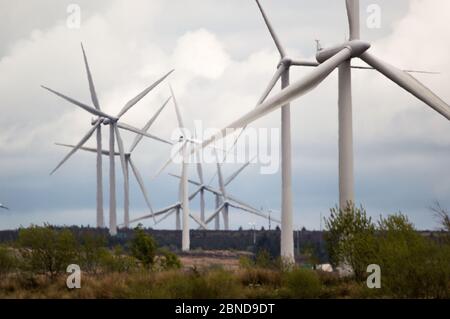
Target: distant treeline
[{"x": 241, "y": 240}]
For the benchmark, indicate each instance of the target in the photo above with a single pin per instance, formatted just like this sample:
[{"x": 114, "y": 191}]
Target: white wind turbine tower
[
  {"x": 130, "y": 164},
  {"x": 328, "y": 60},
  {"x": 114, "y": 124}
]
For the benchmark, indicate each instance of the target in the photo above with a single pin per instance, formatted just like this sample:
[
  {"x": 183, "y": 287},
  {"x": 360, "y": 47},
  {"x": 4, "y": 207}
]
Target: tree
[
  {"x": 46, "y": 250},
  {"x": 92, "y": 251},
  {"x": 143, "y": 247},
  {"x": 412, "y": 266},
  {"x": 350, "y": 239}
]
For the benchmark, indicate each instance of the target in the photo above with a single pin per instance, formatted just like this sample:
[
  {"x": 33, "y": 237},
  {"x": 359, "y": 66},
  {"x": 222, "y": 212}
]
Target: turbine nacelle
[
  {"x": 357, "y": 47},
  {"x": 106, "y": 121},
  {"x": 94, "y": 120}
]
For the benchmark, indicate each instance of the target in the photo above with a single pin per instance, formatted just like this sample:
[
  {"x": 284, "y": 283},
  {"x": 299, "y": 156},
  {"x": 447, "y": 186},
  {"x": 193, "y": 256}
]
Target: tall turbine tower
[{"x": 328, "y": 60}]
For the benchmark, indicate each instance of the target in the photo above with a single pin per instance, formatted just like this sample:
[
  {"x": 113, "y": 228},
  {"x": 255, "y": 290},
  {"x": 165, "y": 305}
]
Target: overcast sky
[{"x": 224, "y": 58}]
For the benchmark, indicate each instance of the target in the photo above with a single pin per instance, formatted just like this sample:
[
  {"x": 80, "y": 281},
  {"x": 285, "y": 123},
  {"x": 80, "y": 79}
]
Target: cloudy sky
[{"x": 224, "y": 57}]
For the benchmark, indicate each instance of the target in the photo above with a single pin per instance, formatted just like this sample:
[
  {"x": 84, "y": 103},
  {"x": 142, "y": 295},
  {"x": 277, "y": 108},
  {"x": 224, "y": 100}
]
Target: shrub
[
  {"x": 117, "y": 261},
  {"x": 301, "y": 284},
  {"x": 350, "y": 239},
  {"x": 47, "y": 251},
  {"x": 8, "y": 261},
  {"x": 91, "y": 251},
  {"x": 143, "y": 247},
  {"x": 412, "y": 266},
  {"x": 169, "y": 260},
  {"x": 260, "y": 277}
]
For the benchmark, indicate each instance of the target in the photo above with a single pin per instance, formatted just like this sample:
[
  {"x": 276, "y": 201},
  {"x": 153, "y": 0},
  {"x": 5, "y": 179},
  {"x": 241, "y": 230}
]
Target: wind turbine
[
  {"x": 219, "y": 195},
  {"x": 328, "y": 60},
  {"x": 226, "y": 203},
  {"x": 3, "y": 206},
  {"x": 129, "y": 163},
  {"x": 114, "y": 124}
]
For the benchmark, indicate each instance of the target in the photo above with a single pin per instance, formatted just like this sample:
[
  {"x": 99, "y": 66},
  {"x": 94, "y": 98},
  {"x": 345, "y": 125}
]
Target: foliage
[
  {"x": 92, "y": 251},
  {"x": 117, "y": 261},
  {"x": 169, "y": 260},
  {"x": 143, "y": 247},
  {"x": 350, "y": 239},
  {"x": 412, "y": 266},
  {"x": 301, "y": 283},
  {"x": 47, "y": 251},
  {"x": 8, "y": 261}
]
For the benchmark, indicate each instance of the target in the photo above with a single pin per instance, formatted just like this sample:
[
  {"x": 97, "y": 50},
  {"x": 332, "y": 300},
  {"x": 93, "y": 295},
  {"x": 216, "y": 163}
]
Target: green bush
[
  {"x": 117, "y": 261},
  {"x": 350, "y": 239},
  {"x": 47, "y": 251},
  {"x": 301, "y": 284},
  {"x": 412, "y": 266},
  {"x": 143, "y": 247},
  {"x": 92, "y": 250},
  {"x": 169, "y": 260},
  {"x": 8, "y": 261}
]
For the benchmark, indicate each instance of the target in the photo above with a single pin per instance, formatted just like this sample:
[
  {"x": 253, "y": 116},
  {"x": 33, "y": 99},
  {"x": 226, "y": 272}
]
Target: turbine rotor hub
[
  {"x": 357, "y": 48},
  {"x": 286, "y": 62}
]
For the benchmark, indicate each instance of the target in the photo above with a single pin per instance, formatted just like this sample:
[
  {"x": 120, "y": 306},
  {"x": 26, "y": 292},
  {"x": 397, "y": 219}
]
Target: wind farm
[{"x": 248, "y": 155}]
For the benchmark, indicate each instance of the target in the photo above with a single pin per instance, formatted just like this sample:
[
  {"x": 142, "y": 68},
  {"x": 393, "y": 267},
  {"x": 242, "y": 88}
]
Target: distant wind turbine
[
  {"x": 114, "y": 125},
  {"x": 129, "y": 163}
]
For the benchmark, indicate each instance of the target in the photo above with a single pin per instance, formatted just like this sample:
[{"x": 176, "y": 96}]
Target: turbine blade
[
  {"x": 272, "y": 31},
  {"x": 90, "y": 80},
  {"x": 141, "y": 95},
  {"x": 86, "y": 149},
  {"x": 123, "y": 160},
  {"x": 192, "y": 196},
  {"x": 198, "y": 221},
  {"x": 155, "y": 214},
  {"x": 304, "y": 63},
  {"x": 4, "y": 207},
  {"x": 140, "y": 181},
  {"x": 82, "y": 105},
  {"x": 165, "y": 216},
  {"x": 177, "y": 109},
  {"x": 236, "y": 174},
  {"x": 77, "y": 147},
  {"x": 189, "y": 180},
  {"x": 409, "y": 83},
  {"x": 200, "y": 172},
  {"x": 272, "y": 83},
  {"x": 257, "y": 213},
  {"x": 216, "y": 212},
  {"x": 221, "y": 183},
  {"x": 147, "y": 126},
  {"x": 353, "y": 18},
  {"x": 284, "y": 97},
  {"x": 140, "y": 132},
  {"x": 169, "y": 161}
]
